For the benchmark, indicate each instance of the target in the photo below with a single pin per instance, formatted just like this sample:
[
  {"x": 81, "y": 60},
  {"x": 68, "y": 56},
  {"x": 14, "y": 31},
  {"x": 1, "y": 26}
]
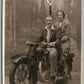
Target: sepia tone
[{"x": 24, "y": 20}]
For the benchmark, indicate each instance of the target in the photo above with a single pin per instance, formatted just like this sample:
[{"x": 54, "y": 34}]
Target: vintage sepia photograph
[{"x": 42, "y": 41}]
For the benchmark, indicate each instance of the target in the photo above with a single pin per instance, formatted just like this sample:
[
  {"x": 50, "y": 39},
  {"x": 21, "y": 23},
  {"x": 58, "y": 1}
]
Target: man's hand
[
  {"x": 44, "y": 43},
  {"x": 27, "y": 42},
  {"x": 51, "y": 44}
]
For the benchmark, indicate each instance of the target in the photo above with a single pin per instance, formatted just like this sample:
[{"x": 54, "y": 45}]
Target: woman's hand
[
  {"x": 65, "y": 38},
  {"x": 57, "y": 41}
]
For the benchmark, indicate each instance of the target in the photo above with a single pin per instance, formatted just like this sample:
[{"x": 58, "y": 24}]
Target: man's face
[
  {"x": 49, "y": 21},
  {"x": 60, "y": 16}
]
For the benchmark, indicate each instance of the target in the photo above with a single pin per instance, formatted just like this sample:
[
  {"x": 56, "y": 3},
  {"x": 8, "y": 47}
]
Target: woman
[{"x": 64, "y": 26}]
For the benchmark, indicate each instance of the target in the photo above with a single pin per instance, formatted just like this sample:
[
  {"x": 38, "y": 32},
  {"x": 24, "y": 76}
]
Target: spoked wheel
[{"x": 19, "y": 73}]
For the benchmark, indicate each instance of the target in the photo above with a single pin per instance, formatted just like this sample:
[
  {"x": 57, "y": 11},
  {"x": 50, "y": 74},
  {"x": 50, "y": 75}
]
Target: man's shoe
[{"x": 52, "y": 78}]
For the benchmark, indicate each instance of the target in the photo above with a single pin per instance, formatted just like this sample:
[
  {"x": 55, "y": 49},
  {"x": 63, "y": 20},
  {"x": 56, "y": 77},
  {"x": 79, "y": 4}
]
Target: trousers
[
  {"x": 52, "y": 58},
  {"x": 65, "y": 51}
]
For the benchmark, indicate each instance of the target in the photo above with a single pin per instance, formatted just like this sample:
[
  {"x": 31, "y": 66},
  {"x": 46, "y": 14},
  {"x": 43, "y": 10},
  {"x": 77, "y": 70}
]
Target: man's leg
[
  {"x": 53, "y": 61},
  {"x": 40, "y": 52}
]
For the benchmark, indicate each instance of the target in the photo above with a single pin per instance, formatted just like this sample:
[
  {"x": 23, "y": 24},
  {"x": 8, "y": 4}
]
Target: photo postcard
[{"x": 42, "y": 41}]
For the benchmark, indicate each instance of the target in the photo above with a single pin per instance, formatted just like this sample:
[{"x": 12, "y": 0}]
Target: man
[{"x": 49, "y": 37}]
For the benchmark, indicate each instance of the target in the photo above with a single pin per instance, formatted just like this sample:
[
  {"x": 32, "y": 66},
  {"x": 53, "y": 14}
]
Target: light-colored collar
[{"x": 51, "y": 27}]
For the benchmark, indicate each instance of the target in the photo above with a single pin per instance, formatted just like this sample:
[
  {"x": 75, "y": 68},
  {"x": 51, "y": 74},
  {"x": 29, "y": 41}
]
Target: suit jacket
[{"x": 53, "y": 35}]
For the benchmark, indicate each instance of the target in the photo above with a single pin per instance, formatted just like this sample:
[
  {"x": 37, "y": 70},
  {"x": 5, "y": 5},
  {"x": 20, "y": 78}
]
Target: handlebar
[{"x": 31, "y": 43}]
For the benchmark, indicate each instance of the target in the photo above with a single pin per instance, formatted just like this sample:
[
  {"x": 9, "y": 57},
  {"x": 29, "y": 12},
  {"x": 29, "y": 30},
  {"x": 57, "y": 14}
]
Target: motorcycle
[{"x": 29, "y": 68}]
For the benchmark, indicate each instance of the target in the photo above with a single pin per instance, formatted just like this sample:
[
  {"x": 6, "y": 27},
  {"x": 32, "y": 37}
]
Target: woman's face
[{"x": 60, "y": 16}]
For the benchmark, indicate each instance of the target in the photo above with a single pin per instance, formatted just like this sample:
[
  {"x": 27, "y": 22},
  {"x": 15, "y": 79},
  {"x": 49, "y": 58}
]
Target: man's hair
[
  {"x": 62, "y": 11},
  {"x": 49, "y": 16}
]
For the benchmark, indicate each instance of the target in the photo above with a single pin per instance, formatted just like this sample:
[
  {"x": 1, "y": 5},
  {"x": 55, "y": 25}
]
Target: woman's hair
[{"x": 62, "y": 11}]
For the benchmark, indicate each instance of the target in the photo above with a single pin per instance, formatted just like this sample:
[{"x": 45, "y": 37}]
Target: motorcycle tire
[{"x": 15, "y": 69}]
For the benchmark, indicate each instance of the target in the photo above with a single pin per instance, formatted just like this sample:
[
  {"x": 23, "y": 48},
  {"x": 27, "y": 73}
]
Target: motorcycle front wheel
[{"x": 19, "y": 73}]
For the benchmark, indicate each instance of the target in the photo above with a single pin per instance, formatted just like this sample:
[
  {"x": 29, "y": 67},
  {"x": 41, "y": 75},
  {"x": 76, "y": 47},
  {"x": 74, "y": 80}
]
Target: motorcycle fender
[{"x": 20, "y": 58}]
